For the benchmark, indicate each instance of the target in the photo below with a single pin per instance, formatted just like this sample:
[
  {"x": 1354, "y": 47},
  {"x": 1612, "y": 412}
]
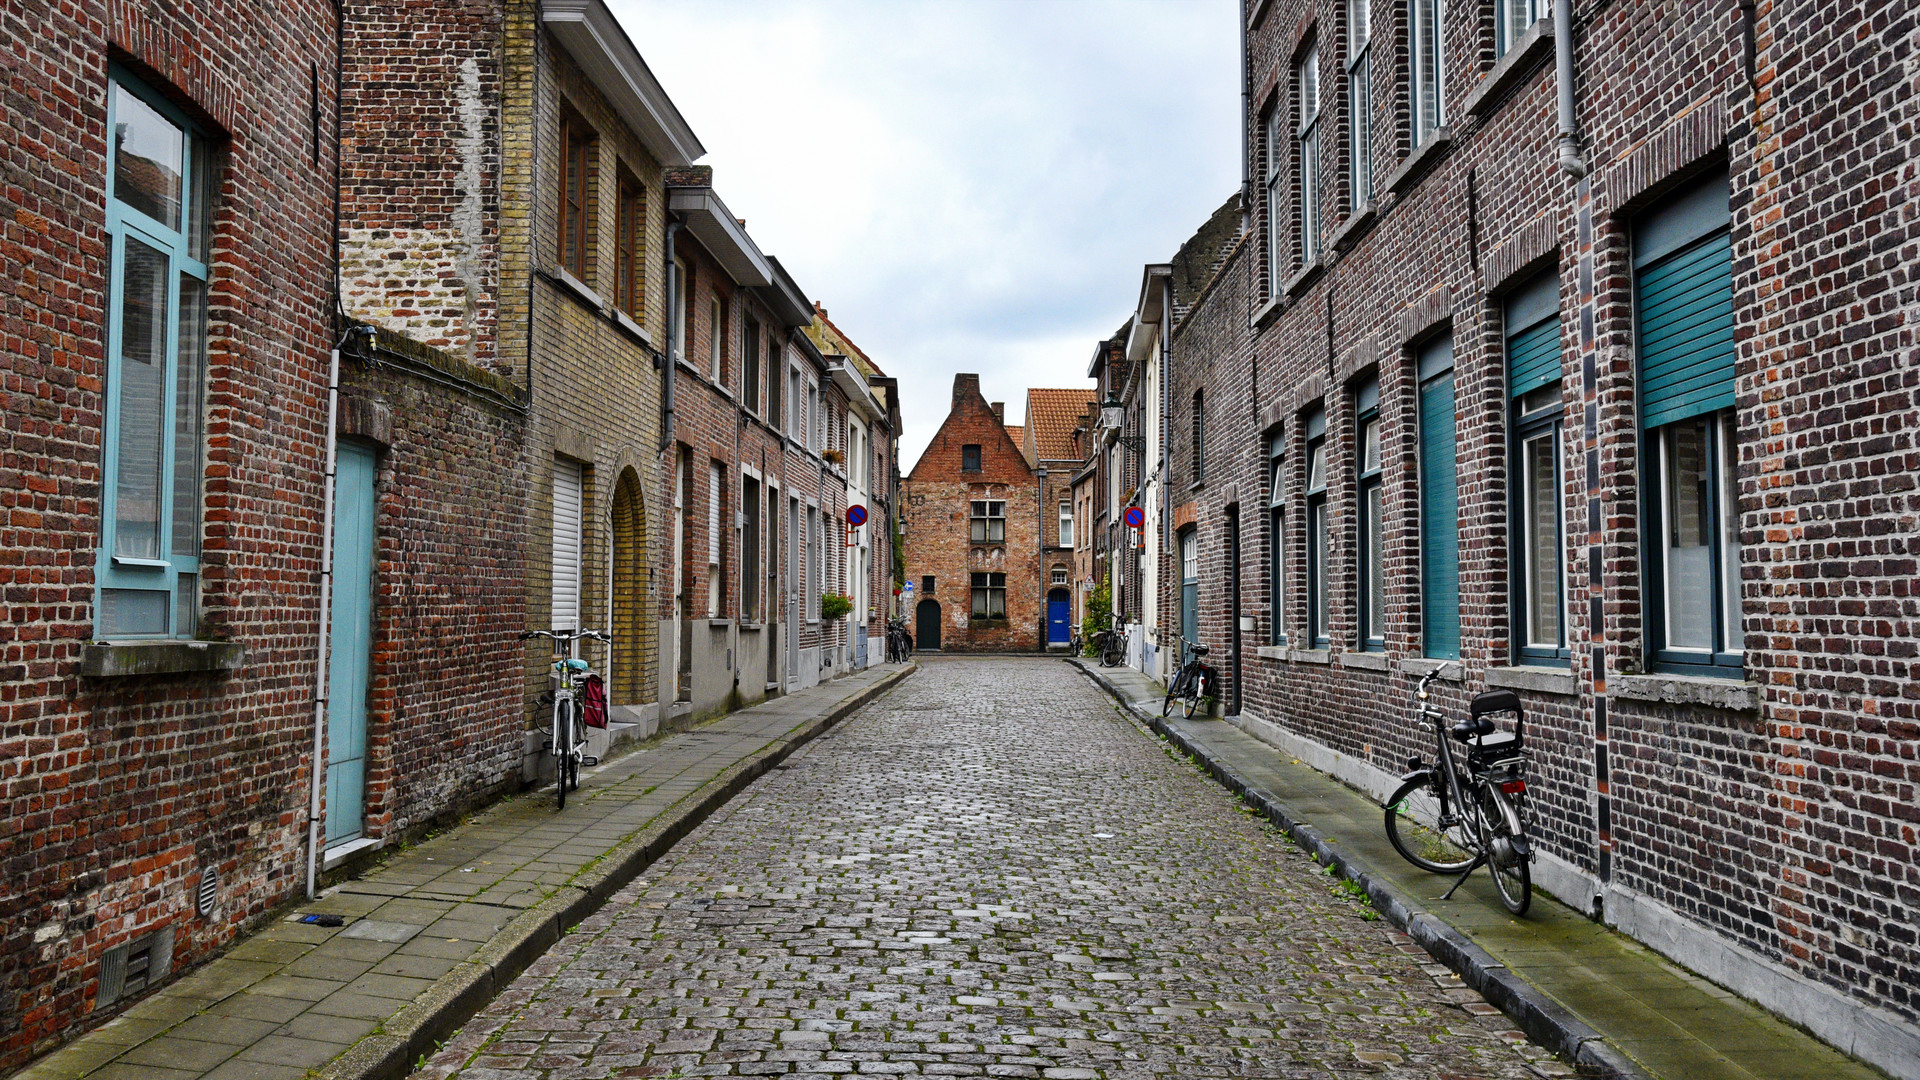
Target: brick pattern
[{"x": 116, "y": 793}]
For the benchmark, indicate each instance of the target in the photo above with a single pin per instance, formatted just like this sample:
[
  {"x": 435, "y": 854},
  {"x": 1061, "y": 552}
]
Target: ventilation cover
[
  {"x": 209, "y": 888},
  {"x": 127, "y": 969}
]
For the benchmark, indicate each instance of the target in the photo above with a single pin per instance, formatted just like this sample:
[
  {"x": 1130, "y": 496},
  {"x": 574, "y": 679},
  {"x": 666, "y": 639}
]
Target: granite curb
[
  {"x": 391, "y": 1051},
  {"x": 1544, "y": 1020}
]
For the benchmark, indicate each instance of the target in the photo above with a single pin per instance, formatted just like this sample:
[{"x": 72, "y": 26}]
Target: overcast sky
[{"x": 967, "y": 185}]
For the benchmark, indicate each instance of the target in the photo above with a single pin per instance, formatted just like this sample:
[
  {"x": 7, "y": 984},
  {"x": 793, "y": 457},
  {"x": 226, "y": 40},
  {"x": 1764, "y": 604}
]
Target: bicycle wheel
[
  {"x": 1413, "y": 827},
  {"x": 1196, "y": 693},
  {"x": 1173, "y": 692},
  {"x": 1511, "y": 877},
  {"x": 562, "y": 751}
]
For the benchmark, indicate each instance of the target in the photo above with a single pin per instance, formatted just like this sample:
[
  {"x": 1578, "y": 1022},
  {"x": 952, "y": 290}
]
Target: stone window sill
[
  {"x": 1543, "y": 680},
  {"x": 1310, "y": 656},
  {"x": 1365, "y": 661},
  {"x": 1302, "y": 278},
  {"x": 626, "y": 323},
  {"x": 122, "y": 659},
  {"x": 1269, "y": 310},
  {"x": 578, "y": 288},
  {"x": 1730, "y": 694},
  {"x": 1492, "y": 89},
  {"x": 1449, "y": 670},
  {"x": 1425, "y": 157},
  {"x": 1349, "y": 232},
  {"x": 1271, "y": 652}
]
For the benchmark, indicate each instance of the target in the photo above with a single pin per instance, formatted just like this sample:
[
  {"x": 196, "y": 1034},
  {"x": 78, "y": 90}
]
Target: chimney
[
  {"x": 999, "y": 412},
  {"x": 964, "y": 386}
]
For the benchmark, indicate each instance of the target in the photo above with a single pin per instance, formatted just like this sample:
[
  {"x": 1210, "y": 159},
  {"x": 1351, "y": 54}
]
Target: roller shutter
[
  {"x": 1683, "y": 306},
  {"x": 1439, "y": 506},
  {"x": 567, "y": 485}
]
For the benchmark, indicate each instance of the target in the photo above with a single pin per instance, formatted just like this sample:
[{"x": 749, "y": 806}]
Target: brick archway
[{"x": 627, "y": 683}]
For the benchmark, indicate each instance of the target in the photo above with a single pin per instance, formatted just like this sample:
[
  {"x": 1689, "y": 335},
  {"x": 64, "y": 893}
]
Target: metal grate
[
  {"x": 209, "y": 889},
  {"x": 127, "y": 969}
]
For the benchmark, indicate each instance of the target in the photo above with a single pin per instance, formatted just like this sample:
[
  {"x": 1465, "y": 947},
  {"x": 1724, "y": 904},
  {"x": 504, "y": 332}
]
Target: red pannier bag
[{"x": 593, "y": 701}]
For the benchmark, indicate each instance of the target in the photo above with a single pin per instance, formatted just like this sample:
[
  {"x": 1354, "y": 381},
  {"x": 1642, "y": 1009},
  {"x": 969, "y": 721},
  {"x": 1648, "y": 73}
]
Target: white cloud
[{"x": 966, "y": 186}]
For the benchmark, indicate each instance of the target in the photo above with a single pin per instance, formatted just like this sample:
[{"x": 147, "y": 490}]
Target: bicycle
[
  {"x": 1112, "y": 645},
  {"x": 1452, "y": 818},
  {"x": 899, "y": 642},
  {"x": 1193, "y": 683},
  {"x": 568, "y": 739}
]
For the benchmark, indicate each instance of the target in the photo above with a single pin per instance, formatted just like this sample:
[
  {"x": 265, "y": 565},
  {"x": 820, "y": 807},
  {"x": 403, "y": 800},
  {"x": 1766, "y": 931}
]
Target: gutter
[
  {"x": 1569, "y": 141},
  {"x": 668, "y": 413}
]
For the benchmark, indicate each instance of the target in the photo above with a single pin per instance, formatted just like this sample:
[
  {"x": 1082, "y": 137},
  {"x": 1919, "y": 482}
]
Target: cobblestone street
[{"x": 987, "y": 872}]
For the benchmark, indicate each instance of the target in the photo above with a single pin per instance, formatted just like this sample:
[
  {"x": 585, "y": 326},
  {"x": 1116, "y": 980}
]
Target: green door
[{"x": 350, "y": 643}]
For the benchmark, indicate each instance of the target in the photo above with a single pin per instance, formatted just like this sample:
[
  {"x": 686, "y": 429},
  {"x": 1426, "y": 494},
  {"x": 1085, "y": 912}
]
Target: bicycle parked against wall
[
  {"x": 899, "y": 642},
  {"x": 1112, "y": 646},
  {"x": 570, "y": 695},
  {"x": 1193, "y": 684},
  {"x": 1453, "y": 817}
]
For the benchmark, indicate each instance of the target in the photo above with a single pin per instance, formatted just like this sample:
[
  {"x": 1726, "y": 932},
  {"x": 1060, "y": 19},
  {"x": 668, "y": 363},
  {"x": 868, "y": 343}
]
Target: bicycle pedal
[{"x": 589, "y": 762}]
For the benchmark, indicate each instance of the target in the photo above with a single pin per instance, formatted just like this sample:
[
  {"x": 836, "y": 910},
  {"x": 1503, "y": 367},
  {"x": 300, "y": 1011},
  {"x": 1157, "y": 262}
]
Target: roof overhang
[
  {"x": 846, "y": 375},
  {"x": 711, "y": 223},
  {"x": 784, "y": 296},
  {"x": 1099, "y": 360},
  {"x": 601, "y": 47},
  {"x": 1150, "y": 311}
]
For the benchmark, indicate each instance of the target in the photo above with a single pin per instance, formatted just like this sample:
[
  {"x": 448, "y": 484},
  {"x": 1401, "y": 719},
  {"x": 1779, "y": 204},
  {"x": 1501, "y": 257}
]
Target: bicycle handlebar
[{"x": 564, "y": 635}]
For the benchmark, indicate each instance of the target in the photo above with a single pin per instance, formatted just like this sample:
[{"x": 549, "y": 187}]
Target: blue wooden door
[
  {"x": 350, "y": 643},
  {"x": 1057, "y": 617}
]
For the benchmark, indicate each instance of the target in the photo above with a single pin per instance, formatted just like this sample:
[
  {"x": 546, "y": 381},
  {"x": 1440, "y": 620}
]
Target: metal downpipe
[{"x": 1570, "y": 161}]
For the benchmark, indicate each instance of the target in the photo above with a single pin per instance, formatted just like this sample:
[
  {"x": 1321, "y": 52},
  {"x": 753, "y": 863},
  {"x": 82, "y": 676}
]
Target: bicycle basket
[{"x": 593, "y": 701}]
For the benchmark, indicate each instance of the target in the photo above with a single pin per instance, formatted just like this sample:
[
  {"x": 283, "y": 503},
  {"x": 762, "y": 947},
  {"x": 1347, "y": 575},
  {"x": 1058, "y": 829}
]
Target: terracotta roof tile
[{"x": 1053, "y": 414}]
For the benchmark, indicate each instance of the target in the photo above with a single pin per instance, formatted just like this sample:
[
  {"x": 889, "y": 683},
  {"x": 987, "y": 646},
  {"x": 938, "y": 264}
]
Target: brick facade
[
  {"x": 1748, "y": 824},
  {"x": 118, "y": 791}
]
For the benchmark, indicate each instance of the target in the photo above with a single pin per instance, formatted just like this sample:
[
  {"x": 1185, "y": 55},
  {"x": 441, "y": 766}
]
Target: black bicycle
[
  {"x": 1112, "y": 646},
  {"x": 899, "y": 642},
  {"x": 1193, "y": 684},
  {"x": 1453, "y": 817}
]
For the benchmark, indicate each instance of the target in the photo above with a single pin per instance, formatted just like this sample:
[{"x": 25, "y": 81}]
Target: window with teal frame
[
  {"x": 159, "y": 200},
  {"x": 1439, "y": 505},
  {"x": 1372, "y": 605}
]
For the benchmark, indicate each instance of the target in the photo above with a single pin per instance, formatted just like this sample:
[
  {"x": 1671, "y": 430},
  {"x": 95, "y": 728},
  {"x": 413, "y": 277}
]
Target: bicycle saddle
[{"x": 1200, "y": 650}]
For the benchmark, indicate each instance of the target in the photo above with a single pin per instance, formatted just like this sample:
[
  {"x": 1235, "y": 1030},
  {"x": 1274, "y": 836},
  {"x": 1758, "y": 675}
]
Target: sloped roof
[
  {"x": 1201, "y": 257},
  {"x": 825, "y": 333},
  {"x": 1053, "y": 414}
]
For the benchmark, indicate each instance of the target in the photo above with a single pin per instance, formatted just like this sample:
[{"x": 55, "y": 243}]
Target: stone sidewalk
[
  {"x": 430, "y": 936},
  {"x": 1591, "y": 994}
]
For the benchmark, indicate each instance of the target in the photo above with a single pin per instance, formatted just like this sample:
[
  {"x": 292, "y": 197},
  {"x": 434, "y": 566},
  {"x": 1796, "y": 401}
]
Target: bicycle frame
[
  {"x": 566, "y": 738},
  {"x": 1458, "y": 781}
]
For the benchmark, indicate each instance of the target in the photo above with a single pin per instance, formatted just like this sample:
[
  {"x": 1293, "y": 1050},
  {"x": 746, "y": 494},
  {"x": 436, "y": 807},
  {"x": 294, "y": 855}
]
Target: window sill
[
  {"x": 123, "y": 659},
  {"x": 1271, "y": 652},
  {"x": 1449, "y": 670},
  {"x": 1268, "y": 310},
  {"x": 578, "y": 288},
  {"x": 1487, "y": 95},
  {"x": 1310, "y": 656},
  {"x": 1730, "y": 694},
  {"x": 639, "y": 332},
  {"x": 1365, "y": 661},
  {"x": 1422, "y": 159},
  {"x": 1302, "y": 278},
  {"x": 1349, "y": 234},
  {"x": 1542, "y": 680},
  {"x": 753, "y": 626}
]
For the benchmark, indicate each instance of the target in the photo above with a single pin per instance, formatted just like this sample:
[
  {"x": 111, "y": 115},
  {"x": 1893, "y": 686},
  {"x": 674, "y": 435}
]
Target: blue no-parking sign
[{"x": 856, "y": 516}]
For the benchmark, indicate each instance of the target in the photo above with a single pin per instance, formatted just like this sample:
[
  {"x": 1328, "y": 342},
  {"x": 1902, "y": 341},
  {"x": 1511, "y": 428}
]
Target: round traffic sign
[
  {"x": 1136, "y": 518},
  {"x": 856, "y": 515}
]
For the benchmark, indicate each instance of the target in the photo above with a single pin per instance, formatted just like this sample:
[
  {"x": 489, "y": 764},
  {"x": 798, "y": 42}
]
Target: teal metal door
[{"x": 350, "y": 640}]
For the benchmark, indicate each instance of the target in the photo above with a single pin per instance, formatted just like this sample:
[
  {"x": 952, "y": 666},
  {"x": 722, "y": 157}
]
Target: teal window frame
[
  {"x": 1439, "y": 502},
  {"x": 1536, "y": 413},
  {"x": 1277, "y": 537},
  {"x": 1370, "y": 583},
  {"x": 171, "y": 570},
  {"x": 1319, "y": 615}
]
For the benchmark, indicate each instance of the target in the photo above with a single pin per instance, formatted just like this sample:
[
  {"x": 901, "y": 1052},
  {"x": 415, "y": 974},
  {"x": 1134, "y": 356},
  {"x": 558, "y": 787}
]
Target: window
[
  {"x": 678, "y": 311},
  {"x": 855, "y": 452},
  {"x": 796, "y": 401},
  {"x": 1317, "y": 622},
  {"x": 1533, "y": 387},
  {"x": 750, "y": 366},
  {"x": 989, "y": 522},
  {"x": 1359, "y": 103},
  {"x": 1513, "y": 19},
  {"x": 569, "y": 500},
  {"x": 811, "y": 562},
  {"x": 1439, "y": 505},
  {"x": 1373, "y": 563},
  {"x": 159, "y": 225},
  {"x": 1199, "y": 436},
  {"x": 816, "y": 431},
  {"x": 926, "y": 585},
  {"x": 970, "y": 458},
  {"x": 717, "y": 341},
  {"x": 716, "y": 545},
  {"x": 627, "y": 252},
  {"x": 989, "y": 596},
  {"x": 1683, "y": 309},
  {"x": 1276, "y": 266},
  {"x": 1429, "y": 68},
  {"x": 1066, "y": 524},
  {"x": 1277, "y": 537},
  {"x": 576, "y": 165},
  {"x": 1059, "y": 575},
  {"x": 1306, "y": 77},
  {"x": 1190, "y": 584},
  {"x": 774, "y": 380},
  {"x": 750, "y": 550}
]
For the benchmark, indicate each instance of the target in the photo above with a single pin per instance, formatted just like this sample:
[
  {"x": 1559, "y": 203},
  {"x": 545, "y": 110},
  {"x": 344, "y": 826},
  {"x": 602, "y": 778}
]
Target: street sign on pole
[
  {"x": 856, "y": 516},
  {"x": 1135, "y": 517}
]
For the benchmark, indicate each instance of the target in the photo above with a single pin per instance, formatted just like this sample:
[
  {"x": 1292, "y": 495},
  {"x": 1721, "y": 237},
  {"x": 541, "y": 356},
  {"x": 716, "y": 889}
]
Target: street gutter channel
[{"x": 1544, "y": 1020}]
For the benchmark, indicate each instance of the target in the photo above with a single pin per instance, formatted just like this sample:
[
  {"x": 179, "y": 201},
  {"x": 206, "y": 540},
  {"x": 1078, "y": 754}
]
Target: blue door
[
  {"x": 350, "y": 640},
  {"x": 1057, "y": 633}
]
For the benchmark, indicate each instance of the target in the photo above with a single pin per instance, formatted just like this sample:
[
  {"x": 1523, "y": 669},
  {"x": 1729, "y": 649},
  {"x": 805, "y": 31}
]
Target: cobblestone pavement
[{"x": 987, "y": 873}]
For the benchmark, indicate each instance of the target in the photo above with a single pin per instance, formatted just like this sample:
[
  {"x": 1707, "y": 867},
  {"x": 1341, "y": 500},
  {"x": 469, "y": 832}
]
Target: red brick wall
[{"x": 116, "y": 793}]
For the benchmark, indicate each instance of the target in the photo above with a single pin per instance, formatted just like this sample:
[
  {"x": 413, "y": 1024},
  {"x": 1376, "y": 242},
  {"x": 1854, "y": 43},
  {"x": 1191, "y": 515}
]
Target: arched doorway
[
  {"x": 1058, "y": 623},
  {"x": 926, "y": 620},
  {"x": 627, "y": 682}
]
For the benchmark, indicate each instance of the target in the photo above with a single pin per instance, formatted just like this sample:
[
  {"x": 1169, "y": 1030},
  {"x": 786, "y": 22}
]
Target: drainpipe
[
  {"x": 1040, "y": 536},
  {"x": 1166, "y": 377},
  {"x": 1570, "y": 162},
  {"x": 670, "y": 679},
  {"x": 1246, "y": 102},
  {"x": 666, "y": 388}
]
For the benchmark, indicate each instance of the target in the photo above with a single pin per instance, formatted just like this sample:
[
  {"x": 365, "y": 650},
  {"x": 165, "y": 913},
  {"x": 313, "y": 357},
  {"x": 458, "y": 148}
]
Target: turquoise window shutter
[
  {"x": 1533, "y": 358},
  {"x": 1684, "y": 302},
  {"x": 1439, "y": 521}
]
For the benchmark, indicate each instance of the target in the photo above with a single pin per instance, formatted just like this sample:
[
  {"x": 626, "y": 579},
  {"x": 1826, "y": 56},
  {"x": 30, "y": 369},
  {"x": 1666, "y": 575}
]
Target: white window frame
[
  {"x": 1429, "y": 51},
  {"x": 1359, "y": 104},
  {"x": 1306, "y": 78}
]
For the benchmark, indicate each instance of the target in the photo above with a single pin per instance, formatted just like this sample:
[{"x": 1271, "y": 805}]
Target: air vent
[
  {"x": 125, "y": 970},
  {"x": 209, "y": 889}
]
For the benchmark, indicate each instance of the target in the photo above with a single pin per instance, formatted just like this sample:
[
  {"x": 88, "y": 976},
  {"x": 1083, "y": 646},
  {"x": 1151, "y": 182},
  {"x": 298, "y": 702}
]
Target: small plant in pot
[
  {"x": 834, "y": 606},
  {"x": 834, "y": 456}
]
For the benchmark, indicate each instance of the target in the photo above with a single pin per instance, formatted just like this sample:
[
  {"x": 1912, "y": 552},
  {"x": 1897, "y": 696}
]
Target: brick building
[
  {"x": 1604, "y": 406},
  {"x": 1047, "y": 442},
  {"x": 972, "y": 549},
  {"x": 165, "y": 298}
]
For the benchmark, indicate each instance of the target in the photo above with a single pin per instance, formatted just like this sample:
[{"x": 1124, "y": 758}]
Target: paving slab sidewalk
[
  {"x": 435, "y": 932},
  {"x": 1587, "y": 992}
]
